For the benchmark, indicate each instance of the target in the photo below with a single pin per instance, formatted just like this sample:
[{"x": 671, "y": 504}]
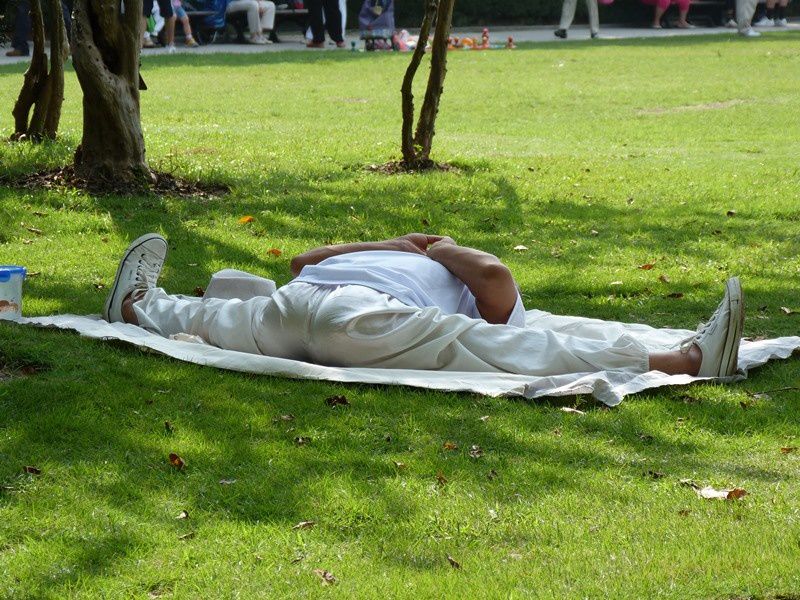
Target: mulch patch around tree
[
  {"x": 396, "y": 167},
  {"x": 166, "y": 184}
]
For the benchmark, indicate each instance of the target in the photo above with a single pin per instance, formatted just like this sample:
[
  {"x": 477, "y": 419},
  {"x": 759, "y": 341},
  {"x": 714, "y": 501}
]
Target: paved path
[{"x": 293, "y": 41}]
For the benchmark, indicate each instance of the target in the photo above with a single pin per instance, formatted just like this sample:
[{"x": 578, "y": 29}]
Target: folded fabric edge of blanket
[{"x": 596, "y": 384}]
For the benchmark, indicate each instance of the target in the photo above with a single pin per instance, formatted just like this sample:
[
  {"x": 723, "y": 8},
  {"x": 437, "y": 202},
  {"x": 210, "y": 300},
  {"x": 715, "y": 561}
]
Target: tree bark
[
  {"x": 59, "y": 50},
  {"x": 35, "y": 77},
  {"x": 430, "y": 105},
  {"x": 106, "y": 57},
  {"x": 42, "y": 91},
  {"x": 406, "y": 91}
]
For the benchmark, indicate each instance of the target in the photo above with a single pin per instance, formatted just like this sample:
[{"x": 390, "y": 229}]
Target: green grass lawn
[{"x": 597, "y": 157}]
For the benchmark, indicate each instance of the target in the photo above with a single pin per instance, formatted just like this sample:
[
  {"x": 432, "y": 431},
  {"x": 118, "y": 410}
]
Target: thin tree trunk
[
  {"x": 35, "y": 77},
  {"x": 58, "y": 54},
  {"x": 106, "y": 57},
  {"x": 407, "y": 142},
  {"x": 430, "y": 105}
]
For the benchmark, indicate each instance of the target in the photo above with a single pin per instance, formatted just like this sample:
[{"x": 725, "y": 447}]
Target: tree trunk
[
  {"x": 106, "y": 57},
  {"x": 430, "y": 106},
  {"x": 59, "y": 51},
  {"x": 35, "y": 77},
  {"x": 42, "y": 91},
  {"x": 406, "y": 91},
  {"x": 416, "y": 149}
]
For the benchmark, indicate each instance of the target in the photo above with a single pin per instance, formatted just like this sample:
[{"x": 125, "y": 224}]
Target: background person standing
[{"x": 568, "y": 14}]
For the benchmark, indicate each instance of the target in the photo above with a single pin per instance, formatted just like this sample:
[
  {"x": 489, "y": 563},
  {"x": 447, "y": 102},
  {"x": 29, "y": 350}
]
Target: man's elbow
[
  {"x": 497, "y": 275},
  {"x": 296, "y": 265}
]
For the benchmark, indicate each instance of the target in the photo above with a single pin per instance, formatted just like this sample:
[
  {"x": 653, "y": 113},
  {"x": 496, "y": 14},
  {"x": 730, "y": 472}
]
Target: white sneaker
[
  {"x": 138, "y": 270},
  {"x": 781, "y": 23},
  {"x": 731, "y": 24},
  {"x": 719, "y": 339},
  {"x": 171, "y": 48},
  {"x": 764, "y": 22},
  {"x": 750, "y": 32}
]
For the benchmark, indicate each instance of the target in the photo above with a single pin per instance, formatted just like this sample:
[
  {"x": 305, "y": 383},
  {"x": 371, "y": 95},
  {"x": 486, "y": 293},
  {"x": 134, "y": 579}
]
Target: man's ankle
[{"x": 128, "y": 313}]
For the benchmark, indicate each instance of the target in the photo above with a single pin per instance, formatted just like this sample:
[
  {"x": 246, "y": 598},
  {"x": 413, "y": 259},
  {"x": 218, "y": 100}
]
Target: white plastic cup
[{"x": 11, "y": 277}]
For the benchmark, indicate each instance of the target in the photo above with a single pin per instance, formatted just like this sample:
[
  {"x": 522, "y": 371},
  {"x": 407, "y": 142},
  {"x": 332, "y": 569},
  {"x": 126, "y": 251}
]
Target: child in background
[{"x": 180, "y": 15}]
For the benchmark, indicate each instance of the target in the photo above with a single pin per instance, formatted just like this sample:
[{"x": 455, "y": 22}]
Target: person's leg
[
  {"x": 683, "y": 12},
  {"x": 357, "y": 326},
  {"x": 744, "y": 13},
  {"x": 22, "y": 30},
  {"x": 253, "y": 20},
  {"x": 267, "y": 15},
  {"x": 594, "y": 17},
  {"x": 660, "y": 8},
  {"x": 165, "y": 8},
  {"x": 780, "y": 14},
  {"x": 316, "y": 23},
  {"x": 147, "y": 9},
  {"x": 333, "y": 20},
  {"x": 567, "y": 15}
]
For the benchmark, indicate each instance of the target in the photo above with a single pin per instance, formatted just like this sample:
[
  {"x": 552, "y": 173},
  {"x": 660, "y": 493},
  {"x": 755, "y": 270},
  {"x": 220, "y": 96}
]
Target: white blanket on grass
[{"x": 610, "y": 387}]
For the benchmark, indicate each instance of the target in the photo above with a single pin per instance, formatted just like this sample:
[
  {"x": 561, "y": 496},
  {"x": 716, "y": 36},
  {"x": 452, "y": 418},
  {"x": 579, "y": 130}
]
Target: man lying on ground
[{"x": 412, "y": 302}]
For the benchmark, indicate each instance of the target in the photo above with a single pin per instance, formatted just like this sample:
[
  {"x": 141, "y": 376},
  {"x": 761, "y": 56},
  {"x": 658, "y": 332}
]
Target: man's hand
[{"x": 417, "y": 243}]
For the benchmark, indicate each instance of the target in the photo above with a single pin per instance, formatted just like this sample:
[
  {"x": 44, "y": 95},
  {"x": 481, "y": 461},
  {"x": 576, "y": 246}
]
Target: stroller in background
[{"x": 376, "y": 22}]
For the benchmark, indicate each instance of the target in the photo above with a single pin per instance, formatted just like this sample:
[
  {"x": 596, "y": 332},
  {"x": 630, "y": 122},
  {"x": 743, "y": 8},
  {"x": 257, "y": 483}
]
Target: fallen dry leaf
[
  {"x": 184, "y": 515},
  {"x": 99, "y": 286},
  {"x": 168, "y": 427},
  {"x": 39, "y": 213},
  {"x": 656, "y": 474},
  {"x": 557, "y": 432},
  {"x": 647, "y": 267},
  {"x": 450, "y": 446},
  {"x": 441, "y": 479},
  {"x": 684, "y": 512},
  {"x": 199, "y": 292},
  {"x": 675, "y": 295},
  {"x": 731, "y": 213},
  {"x": 246, "y": 219},
  {"x": 33, "y": 274},
  {"x": 305, "y": 525},
  {"x": 326, "y": 576},
  {"x": 176, "y": 461},
  {"x": 227, "y": 481},
  {"x": 594, "y": 232},
  {"x": 32, "y": 470},
  {"x": 484, "y": 418},
  {"x": 453, "y": 562},
  {"x": 334, "y": 401},
  {"x": 492, "y": 475},
  {"x": 615, "y": 283},
  {"x": 788, "y": 449},
  {"x": 301, "y": 440},
  {"x": 475, "y": 451},
  {"x": 274, "y": 252},
  {"x": 567, "y": 409},
  {"x": 34, "y": 230},
  {"x": 520, "y": 248},
  {"x": 186, "y": 536},
  {"x": 399, "y": 465},
  {"x": 289, "y": 417},
  {"x": 787, "y": 311},
  {"x": 663, "y": 278}
]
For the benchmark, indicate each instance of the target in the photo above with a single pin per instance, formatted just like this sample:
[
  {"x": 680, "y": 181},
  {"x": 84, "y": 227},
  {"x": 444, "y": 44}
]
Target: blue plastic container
[{"x": 11, "y": 278}]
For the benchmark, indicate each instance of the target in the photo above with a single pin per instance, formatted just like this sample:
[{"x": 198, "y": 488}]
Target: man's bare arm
[
  {"x": 416, "y": 243},
  {"x": 489, "y": 280}
]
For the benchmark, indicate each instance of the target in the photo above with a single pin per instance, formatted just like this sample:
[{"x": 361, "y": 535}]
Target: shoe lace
[
  {"x": 147, "y": 270},
  {"x": 686, "y": 344}
]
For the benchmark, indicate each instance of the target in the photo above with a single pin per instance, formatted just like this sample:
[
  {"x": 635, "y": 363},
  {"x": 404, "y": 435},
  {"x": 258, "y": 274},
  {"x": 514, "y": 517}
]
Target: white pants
[
  {"x": 744, "y": 13},
  {"x": 568, "y": 14},
  {"x": 355, "y": 326},
  {"x": 260, "y": 14}
]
